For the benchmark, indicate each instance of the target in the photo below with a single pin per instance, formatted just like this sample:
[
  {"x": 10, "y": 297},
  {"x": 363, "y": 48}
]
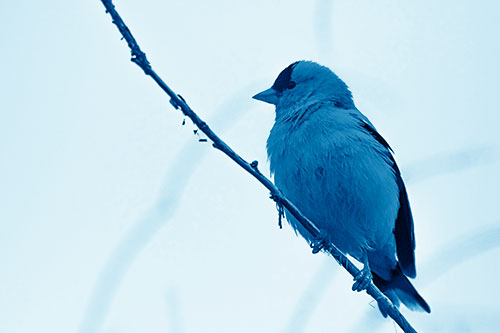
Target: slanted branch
[{"x": 178, "y": 102}]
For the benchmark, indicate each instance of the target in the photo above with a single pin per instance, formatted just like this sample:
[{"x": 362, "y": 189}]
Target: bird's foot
[
  {"x": 317, "y": 245},
  {"x": 320, "y": 243},
  {"x": 363, "y": 279}
]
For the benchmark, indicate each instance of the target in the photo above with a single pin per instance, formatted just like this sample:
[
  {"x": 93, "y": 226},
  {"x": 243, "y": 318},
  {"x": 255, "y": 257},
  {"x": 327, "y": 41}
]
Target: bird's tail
[{"x": 400, "y": 290}]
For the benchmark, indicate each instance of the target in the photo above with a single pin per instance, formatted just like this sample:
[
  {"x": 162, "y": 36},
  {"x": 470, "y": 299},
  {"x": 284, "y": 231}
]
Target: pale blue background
[{"x": 115, "y": 219}]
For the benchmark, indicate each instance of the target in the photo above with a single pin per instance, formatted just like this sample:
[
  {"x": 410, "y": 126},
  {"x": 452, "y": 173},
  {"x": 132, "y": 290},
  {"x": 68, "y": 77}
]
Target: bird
[{"x": 329, "y": 160}]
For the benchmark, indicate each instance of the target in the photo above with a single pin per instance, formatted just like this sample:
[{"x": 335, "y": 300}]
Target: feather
[{"x": 403, "y": 231}]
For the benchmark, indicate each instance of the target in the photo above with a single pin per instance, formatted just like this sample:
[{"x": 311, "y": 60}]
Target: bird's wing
[{"x": 403, "y": 231}]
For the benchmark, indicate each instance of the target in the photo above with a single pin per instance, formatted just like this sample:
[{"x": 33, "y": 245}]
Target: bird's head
[{"x": 304, "y": 83}]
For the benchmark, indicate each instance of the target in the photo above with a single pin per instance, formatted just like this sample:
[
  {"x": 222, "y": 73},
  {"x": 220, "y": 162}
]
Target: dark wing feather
[{"x": 404, "y": 233}]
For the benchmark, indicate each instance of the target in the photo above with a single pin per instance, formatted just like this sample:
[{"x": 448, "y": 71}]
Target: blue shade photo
[{"x": 118, "y": 215}]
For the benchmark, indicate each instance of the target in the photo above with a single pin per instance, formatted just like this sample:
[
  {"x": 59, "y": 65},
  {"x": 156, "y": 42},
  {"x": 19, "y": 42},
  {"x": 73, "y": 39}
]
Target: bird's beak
[{"x": 270, "y": 96}]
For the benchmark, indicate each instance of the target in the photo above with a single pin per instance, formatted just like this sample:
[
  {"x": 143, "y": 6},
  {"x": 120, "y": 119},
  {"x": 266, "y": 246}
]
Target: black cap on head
[{"x": 283, "y": 80}]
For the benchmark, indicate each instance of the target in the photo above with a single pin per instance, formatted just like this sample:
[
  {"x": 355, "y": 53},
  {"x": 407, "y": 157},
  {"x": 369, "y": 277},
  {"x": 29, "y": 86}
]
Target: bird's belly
[{"x": 350, "y": 194}]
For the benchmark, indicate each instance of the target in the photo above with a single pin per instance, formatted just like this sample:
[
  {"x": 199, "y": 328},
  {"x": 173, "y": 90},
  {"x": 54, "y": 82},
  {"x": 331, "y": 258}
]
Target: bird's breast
[{"x": 337, "y": 179}]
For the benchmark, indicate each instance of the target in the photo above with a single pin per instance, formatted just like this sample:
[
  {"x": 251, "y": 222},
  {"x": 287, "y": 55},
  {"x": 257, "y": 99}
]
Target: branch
[{"x": 178, "y": 102}]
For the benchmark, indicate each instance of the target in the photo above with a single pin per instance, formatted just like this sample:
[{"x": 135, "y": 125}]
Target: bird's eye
[{"x": 291, "y": 85}]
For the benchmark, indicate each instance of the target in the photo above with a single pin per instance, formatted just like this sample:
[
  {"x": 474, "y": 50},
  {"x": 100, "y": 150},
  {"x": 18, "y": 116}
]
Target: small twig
[
  {"x": 139, "y": 58},
  {"x": 279, "y": 206},
  {"x": 281, "y": 214}
]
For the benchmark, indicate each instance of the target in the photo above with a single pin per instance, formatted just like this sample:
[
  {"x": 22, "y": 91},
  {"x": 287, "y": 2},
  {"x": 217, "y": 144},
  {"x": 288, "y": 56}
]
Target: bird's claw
[
  {"x": 317, "y": 246},
  {"x": 320, "y": 243},
  {"x": 362, "y": 280}
]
